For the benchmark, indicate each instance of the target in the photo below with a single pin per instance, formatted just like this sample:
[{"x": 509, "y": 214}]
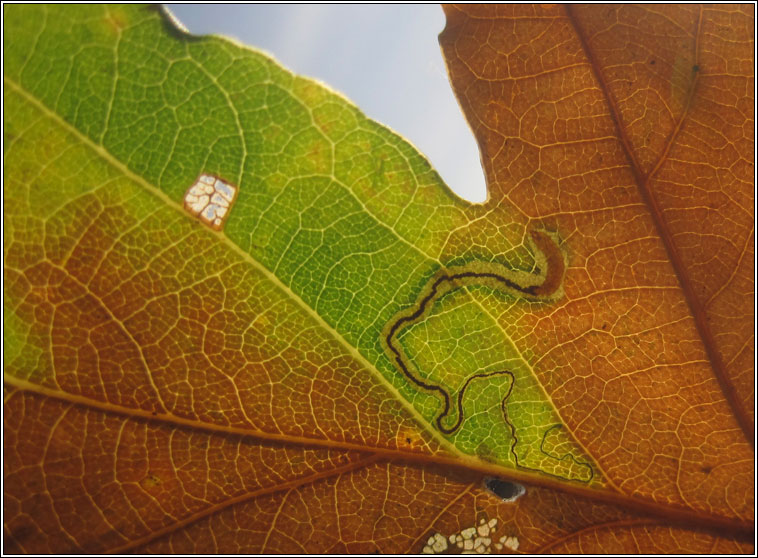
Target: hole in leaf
[{"x": 506, "y": 490}]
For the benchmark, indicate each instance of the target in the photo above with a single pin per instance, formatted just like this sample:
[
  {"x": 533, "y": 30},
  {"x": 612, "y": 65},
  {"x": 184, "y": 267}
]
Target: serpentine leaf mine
[{"x": 529, "y": 286}]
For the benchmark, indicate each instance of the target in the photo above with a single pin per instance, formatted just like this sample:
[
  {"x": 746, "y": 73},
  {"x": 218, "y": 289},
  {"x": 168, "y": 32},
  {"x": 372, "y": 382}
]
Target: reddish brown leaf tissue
[{"x": 175, "y": 397}]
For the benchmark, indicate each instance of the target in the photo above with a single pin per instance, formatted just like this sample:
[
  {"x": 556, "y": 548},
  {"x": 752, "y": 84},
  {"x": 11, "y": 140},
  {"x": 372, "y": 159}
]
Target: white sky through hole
[{"x": 384, "y": 58}]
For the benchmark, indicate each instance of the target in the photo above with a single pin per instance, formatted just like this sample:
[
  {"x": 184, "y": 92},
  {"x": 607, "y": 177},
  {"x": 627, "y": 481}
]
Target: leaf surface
[{"x": 336, "y": 365}]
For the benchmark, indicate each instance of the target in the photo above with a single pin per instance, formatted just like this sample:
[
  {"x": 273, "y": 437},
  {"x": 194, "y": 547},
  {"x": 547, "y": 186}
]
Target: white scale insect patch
[
  {"x": 210, "y": 199},
  {"x": 471, "y": 540}
]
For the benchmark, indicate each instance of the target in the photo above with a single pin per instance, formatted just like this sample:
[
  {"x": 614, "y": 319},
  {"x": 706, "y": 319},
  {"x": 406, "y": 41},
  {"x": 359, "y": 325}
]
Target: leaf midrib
[
  {"x": 247, "y": 258},
  {"x": 461, "y": 460},
  {"x": 642, "y": 181},
  {"x": 665, "y": 514},
  {"x": 350, "y": 348}
]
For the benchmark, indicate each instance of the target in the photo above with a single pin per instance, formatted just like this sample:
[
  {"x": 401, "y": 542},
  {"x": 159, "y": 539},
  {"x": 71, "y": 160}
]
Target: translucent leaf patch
[{"x": 210, "y": 199}]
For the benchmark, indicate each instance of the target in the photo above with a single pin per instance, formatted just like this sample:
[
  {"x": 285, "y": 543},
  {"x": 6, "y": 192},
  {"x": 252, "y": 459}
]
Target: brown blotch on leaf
[
  {"x": 150, "y": 481},
  {"x": 555, "y": 264}
]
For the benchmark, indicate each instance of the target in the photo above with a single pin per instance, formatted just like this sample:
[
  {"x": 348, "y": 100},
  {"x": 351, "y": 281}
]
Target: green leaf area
[{"x": 338, "y": 228}]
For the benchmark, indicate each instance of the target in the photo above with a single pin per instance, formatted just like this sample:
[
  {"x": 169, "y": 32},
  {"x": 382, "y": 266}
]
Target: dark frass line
[{"x": 551, "y": 283}]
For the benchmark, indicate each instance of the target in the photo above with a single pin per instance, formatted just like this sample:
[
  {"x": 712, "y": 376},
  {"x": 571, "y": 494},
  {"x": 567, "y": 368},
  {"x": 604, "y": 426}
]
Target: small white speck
[
  {"x": 468, "y": 533},
  {"x": 482, "y": 544},
  {"x": 225, "y": 190},
  {"x": 451, "y": 538},
  {"x": 511, "y": 542},
  {"x": 499, "y": 546},
  {"x": 483, "y": 530},
  {"x": 197, "y": 203},
  {"x": 427, "y": 550},
  {"x": 468, "y": 544},
  {"x": 201, "y": 189},
  {"x": 440, "y": 543},
  {"x": 492, "y": 523},
  {"x": 209, "y": 212}
]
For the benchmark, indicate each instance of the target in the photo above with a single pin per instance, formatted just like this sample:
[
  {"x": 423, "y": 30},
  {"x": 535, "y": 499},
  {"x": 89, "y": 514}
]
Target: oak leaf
[{"x": 242, "y": 317}]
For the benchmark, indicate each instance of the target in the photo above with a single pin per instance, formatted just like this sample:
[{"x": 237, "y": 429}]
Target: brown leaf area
[
  {"x": 629, "y": 130},
  {"x": 626, "y": 130},
  {"x": 107, "y": 482}
]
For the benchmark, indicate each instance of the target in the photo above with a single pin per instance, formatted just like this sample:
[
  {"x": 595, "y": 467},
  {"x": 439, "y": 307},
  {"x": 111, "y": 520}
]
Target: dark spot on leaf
[
  {"x": 507, "y": 490},
  {"x": 150, "y": 481},
  {"x": 695, "y": 68},
  {"x": 21, "y": 534},
  {"x": 706, "y": 469},
  {"x": 652, "y": 62},
  {"x": 408, "y": 440}
]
